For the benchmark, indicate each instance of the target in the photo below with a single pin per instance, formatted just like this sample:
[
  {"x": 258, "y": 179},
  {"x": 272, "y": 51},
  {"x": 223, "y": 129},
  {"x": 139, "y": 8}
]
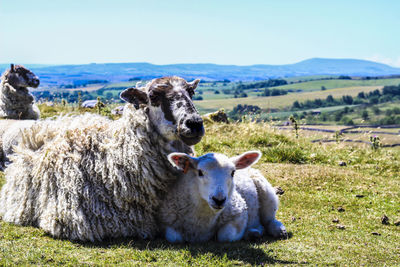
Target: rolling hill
[{"x": 116, "y": 72}]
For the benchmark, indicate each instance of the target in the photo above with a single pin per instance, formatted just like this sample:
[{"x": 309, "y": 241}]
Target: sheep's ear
[
  {"x": 134, "y": 96},
  {"x": 12, "y": 68},
  {"x": 246, "y": 159},
  {"x": 193, "y": 85},
  {"x": 182, "y": 161}
]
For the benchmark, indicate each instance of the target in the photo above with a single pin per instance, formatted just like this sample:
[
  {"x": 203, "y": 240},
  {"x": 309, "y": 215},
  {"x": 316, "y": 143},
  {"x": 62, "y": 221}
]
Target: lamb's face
[
  {"x": 213, "y": 174},
  {"x": 214, "y": 178},
  {"x": 20, "y": 77},
  {"x": 171, "y": 108}
]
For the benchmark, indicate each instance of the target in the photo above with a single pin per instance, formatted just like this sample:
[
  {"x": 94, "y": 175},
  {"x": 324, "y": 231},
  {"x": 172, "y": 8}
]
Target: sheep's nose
[
  {"x": 195, "y": 125},
  {"x": 219, "y": 201},
  {"x": 36, "y": 82}
]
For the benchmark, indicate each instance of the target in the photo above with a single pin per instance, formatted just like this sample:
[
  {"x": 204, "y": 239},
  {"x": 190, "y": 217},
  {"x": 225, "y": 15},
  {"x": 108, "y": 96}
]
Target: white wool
[
  {"x": 88, "y": 178},
  {"x": 262, "y": 203},
  {"x": 10, "y": 132},
  {"x": 185, "y": 216}
]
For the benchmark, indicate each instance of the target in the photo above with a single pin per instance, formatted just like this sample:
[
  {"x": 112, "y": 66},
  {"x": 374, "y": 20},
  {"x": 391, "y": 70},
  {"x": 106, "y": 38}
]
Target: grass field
[
  {"x": 330, "y": 84},
  {"x": 314, "y": 185},
  {"x": 279, "y": 102}
]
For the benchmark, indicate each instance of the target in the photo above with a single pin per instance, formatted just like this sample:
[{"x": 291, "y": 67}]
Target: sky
[{"x": 189, "y": 31}]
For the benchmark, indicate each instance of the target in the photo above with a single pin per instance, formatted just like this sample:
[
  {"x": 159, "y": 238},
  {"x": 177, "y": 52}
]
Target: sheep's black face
[
  {"x": 20, "y": 77},
  {"x": 171, "y": 108}
]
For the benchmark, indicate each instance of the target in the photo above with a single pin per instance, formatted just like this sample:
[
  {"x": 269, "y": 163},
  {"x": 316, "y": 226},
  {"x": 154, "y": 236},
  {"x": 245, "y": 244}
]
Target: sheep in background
[
  {"x": 211, "y": 199},
  {"x": 15, "y": 100},
  {"x": 94, "y": 178}
]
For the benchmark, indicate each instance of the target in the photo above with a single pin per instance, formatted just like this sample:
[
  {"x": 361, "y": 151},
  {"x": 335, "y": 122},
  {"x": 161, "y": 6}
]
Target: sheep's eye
[
  {"x": 233, "y": 173},
  {"x": 201, "y": 173}
]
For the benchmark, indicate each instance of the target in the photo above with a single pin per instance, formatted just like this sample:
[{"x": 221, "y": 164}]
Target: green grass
[
  {"x": 121, "y": 85},
  {"x": 279, "y": 102},
  {"x": 309, "y": 78},
  {"x": 315, "y": 186},
  {"x": 330, "y": 84},
  {"x": 286, "y": 114}
]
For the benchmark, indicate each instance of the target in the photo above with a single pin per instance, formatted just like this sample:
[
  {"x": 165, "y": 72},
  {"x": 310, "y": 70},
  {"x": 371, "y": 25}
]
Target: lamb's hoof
[
  {"x": 283, "y": 234},
  {"x": 253, "y": 234},
  {"x": 277, "y": 230}
]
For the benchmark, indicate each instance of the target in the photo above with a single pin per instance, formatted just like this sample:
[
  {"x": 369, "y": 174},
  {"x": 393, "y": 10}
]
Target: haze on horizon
[{"x": 177, "y": 31}]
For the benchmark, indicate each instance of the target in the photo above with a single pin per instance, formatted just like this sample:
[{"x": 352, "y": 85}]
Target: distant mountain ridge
[{"x": 116, "y": 72}]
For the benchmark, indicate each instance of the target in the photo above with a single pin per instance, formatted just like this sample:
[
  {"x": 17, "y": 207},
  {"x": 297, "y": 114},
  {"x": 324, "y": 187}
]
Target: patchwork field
[
  {"x": 333, "y": 213},
  {"x": 278, "y": 102},
  {"x": 337, "y": 83}
]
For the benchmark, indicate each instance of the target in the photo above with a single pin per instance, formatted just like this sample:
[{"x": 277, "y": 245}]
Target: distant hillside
[{"x": 116, "y": 72}]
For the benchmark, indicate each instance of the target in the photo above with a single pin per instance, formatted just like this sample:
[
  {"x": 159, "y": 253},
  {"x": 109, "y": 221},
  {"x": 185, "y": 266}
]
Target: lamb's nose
[{"x": 219, "y": 201}]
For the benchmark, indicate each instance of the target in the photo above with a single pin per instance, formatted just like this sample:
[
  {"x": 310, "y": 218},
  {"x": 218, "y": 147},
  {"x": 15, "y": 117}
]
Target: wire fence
[{"x": 349, "y": 130}]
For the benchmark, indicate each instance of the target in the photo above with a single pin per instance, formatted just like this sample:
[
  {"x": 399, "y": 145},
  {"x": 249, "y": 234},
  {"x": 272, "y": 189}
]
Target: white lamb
[
  {"x": 15, "y": 100},
  {"x": 211, "y": 198},
  {"x": 89, "y": 178}
]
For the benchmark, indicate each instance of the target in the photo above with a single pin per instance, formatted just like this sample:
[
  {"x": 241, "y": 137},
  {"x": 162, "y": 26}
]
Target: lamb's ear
[
  {"x": 246, "y": 159},
  {"x": 134, "y": 96},
  {"x": 182, "y": 161},
  {"x": 12, "y": 68},
  {"x": 193, "y": 85}
]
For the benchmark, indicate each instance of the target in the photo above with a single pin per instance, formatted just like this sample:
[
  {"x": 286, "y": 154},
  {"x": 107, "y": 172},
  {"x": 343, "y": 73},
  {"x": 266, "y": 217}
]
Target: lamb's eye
[
  {"x": 233, "y": 173},
  {"x": 201, "y": 173}
]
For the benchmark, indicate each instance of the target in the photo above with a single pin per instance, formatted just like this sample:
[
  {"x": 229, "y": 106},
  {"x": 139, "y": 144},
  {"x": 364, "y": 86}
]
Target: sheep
[
  {"x": 212, "y": 198},
  {"x": 15, "y": 100},
  {"x": 89, "y": 178}
]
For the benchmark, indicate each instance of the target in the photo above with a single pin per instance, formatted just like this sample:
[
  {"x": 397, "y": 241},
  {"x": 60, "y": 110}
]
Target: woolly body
[
  {"x": 251, "y": 204},
  {"x": 191, "y": 218},
  {"x": 15, "y": 100},
  {"x": 10, "y": 134},
  {"x": 91, "y": 179}
]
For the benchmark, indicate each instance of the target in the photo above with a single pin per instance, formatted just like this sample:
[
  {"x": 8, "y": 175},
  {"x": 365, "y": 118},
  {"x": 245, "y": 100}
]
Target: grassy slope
[
  {"x": 315, "y": 186},
  {"x": 282, "y": 101}
]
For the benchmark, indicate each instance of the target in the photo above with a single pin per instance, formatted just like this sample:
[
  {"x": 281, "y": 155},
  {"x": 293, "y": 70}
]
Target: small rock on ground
[
  {"x": 279, "y": 190},
  {"x": 340, "y": 209},
  {"x": 340, "y": 226},
  {"x": 385, "y": 220}
]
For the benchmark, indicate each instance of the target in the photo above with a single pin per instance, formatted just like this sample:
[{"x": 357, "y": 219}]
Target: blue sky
[{"x": 207, "y": 31}]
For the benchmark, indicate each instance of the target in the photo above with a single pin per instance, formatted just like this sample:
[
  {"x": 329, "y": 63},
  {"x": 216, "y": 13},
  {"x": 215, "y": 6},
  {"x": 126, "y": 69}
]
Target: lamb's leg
[
  {"x": 233, "y": 230},
  {"x": 268, "y": 207},
  {"x": 173, "y": 236}
]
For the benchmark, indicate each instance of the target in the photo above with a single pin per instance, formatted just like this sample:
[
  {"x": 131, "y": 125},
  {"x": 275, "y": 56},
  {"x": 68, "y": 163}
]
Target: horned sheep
[
  {"x": 89, "y": 178},
  {"x": 212, "y": 198}
]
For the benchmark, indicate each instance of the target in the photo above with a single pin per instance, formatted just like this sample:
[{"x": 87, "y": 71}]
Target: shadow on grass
[{"x": 250, "y": 252}]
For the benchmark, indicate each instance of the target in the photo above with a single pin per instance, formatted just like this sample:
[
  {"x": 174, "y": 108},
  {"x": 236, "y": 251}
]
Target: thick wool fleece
[
  {"x": 253, "y": 202},
  {"x": 186, "y": 212},
  {"x": 17, "y": 103},
  {"x": 10, "y": 132},
  {"x": 92, "y": 179}
]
